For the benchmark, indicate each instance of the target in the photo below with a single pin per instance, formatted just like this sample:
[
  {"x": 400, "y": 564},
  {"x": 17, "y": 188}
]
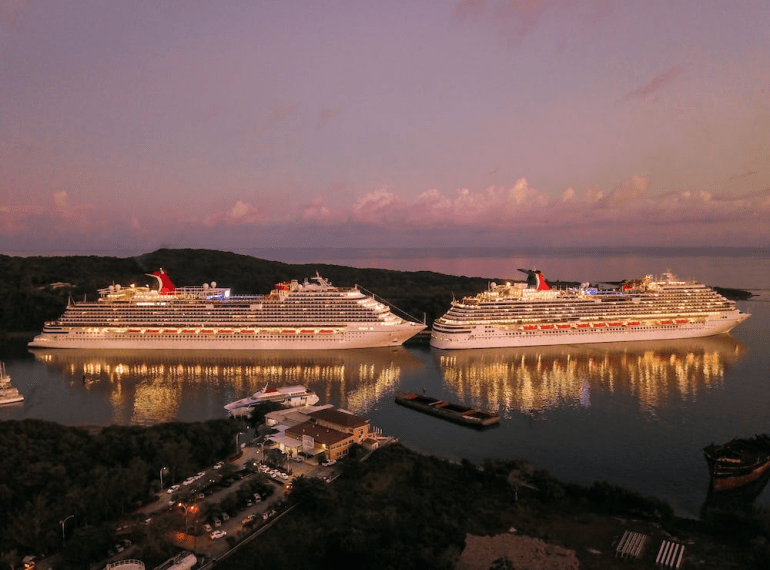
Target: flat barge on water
[{"x": 464, "y": 415}]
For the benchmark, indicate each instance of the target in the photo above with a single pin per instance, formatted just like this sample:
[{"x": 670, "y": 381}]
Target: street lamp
[
  {"x": 162, "y": 469},
  {"x": 63, "y": 538},
  {"x": 193, "y": 508},
  {"x": 237, "y": 445}
]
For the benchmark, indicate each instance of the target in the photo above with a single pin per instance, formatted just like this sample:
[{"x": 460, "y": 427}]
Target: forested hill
[{"x": 36, "y": 289}]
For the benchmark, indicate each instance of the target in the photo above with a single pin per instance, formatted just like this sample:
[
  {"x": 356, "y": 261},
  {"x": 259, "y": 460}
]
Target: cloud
[
  {"x": 625, "y": 193},
  {"x": 515, "y": 20},
  {"x": 655, "y": 84},
  {"x": 242, "y": 213},
  {"x": 317, "y": 211},
  {"x": 379, "y": 206},
  {"x": 326, "y": 115}
]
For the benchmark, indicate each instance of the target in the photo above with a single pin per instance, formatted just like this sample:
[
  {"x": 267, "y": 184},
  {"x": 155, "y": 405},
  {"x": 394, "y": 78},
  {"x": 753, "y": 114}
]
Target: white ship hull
[
  {"x": 143, "y": 340},
  {"x": 506, "y": 338}
]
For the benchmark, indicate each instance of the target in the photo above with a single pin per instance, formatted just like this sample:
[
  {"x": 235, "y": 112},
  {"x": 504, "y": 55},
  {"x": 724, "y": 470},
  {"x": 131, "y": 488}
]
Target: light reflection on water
[
  {"x": 538, "y": 379},
  {"x": 145, "y": 387}
]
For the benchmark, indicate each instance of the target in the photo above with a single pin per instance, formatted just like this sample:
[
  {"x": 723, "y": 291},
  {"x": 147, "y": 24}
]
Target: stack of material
[
  {"x": 631, "y": 545},
  {"x": 670, "y": 554}
]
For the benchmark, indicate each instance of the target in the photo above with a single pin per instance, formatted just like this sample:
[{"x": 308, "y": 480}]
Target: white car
[
  {"x": 218, "y": 534},
  {"x": 218, "y": 465}
]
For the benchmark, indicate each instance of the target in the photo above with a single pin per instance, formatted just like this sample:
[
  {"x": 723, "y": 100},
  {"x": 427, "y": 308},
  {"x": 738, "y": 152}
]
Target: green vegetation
[
  {"x": 52, "y": 471},
  {"x": 392, "y": 509}
]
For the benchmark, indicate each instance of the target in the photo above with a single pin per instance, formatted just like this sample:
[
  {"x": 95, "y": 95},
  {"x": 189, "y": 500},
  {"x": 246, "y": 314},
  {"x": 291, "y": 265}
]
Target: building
[{"x": 321, "y": 429}]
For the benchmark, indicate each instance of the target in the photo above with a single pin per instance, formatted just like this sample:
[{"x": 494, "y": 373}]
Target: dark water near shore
[{"x": 632, "y": 414}]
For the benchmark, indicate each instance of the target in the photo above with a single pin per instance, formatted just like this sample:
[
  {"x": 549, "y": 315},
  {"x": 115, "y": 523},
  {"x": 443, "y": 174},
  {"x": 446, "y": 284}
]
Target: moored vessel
[
  {"x": 313, "y": 315},
  {"x": 534, "y": 314},
  {"x": 9, "y": 394},
  {"x": 458, "y": 413},
  {"x": 738, "y": 462},
  {"x": 290, "y": 396}
]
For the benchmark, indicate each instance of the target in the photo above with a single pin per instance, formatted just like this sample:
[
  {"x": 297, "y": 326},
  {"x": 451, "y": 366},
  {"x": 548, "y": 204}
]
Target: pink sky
[{"x": 230, "y": 125}]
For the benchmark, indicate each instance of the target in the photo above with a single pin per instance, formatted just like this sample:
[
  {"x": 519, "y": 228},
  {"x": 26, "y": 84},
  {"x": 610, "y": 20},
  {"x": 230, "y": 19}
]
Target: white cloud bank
[{"x": 628, "y": 214}]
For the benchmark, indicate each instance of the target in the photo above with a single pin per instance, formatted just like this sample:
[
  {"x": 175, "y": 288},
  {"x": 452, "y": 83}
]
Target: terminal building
[{"x": 315, "y": 430}]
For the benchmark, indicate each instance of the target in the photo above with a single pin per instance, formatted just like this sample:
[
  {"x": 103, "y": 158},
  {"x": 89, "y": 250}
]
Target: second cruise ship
[
  {"x": 533, "y": 314},
  {"x": 310, "y": 315}
]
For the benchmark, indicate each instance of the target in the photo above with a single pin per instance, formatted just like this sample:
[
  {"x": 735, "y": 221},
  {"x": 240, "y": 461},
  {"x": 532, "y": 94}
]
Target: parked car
[
  {"x": 218, "y": 534},
  {"x": 225, "y": 517},
  {"x": 207, "y": 527},
  {"x": 217, "y": 523},
  {"x": 218, "y": 465},
  {"x": 249, "y": 519}
]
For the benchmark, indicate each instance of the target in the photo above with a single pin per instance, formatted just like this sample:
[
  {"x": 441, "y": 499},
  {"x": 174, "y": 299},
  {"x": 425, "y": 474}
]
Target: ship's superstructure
[
  {"x": 534, "y": 314},
  {"x": 309, "y": 315}
]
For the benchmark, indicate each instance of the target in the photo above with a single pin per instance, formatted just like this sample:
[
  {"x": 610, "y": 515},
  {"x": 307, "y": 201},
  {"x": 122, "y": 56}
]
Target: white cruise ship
[
  {"x": 292, "y": 396},
  {"x": 533, "y": 314},
  {"x": 304, "y": 316}
]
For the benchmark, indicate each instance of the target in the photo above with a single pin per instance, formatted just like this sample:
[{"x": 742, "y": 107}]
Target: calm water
[{"x": 632, "y": 414}]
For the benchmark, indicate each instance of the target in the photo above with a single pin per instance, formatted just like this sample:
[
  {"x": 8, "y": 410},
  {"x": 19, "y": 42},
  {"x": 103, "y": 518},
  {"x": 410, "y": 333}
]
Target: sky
[{"x": 134, "y": 125}]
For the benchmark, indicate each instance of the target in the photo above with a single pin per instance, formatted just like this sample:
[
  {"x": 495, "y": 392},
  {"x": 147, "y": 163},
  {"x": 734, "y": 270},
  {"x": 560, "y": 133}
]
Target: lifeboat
[
  {"x": 225, "y": 331},
  {"x": 134, "y": 330},
  {"x": 598, "y": 325},
  {"x": 247, "y": 331},
  {"x": 188, "y": 331},
  {"x": 325, "y": 331},
  {"x": 613, "y": 324},
  {"x": 529, "y": 327},
  {"x": 152, "y": 331},
  {"x": 170, "y": 331},
  {"x": 288, "y": 331},
  {"x": 582, "y": 325},
  {"x": 546, "y": 327},
  {"x": 307, "y": 331},
  {"x": 632, "y": 323},
  {"x": 207, "y": 331},
  {"x": 667, "y": 322},
  {"x": 682, "y": 321},
  {"x": 563, "y": 326}
]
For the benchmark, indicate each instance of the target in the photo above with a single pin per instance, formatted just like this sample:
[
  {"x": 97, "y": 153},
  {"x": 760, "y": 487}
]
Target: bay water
[{"x": 632, "y": 414}]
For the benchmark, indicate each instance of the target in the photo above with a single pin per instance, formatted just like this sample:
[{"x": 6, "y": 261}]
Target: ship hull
[
  {"x": 500, "y": 337},
  {"x": 204, "y": 340}
]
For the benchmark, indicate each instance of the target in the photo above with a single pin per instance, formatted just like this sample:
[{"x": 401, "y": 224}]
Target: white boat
[
  {"x": 9, "y": 394},
  {"x": 290, "y": 396},
  {"x": 533, "y": 314},
  {"x": 304, "y": 316}
]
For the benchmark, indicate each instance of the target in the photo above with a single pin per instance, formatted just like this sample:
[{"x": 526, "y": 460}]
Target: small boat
[
  {"x": 290, "y": 396},
  {"x": 458, "y": 413},
  {"x": 738, "y": 462},
  {"x": 9, "y": 394}
]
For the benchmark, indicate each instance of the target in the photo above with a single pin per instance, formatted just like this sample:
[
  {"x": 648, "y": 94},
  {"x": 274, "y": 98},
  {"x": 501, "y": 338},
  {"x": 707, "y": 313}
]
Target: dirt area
[
  {"x": 522, "y": 551},
  {"x": 536, "y": 541}
]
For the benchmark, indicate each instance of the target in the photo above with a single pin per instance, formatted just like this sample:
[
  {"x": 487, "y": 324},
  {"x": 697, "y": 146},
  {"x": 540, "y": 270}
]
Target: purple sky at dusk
[{"x": 263, "y": 123}]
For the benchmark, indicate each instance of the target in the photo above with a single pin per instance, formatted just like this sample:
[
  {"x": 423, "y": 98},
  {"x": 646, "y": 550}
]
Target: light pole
[
  {"x": 185, "y": 516},
  {"x": 162, "y": 469},
  {"x": 63, "y": 538},
  {"x": 238, "y": 445}
]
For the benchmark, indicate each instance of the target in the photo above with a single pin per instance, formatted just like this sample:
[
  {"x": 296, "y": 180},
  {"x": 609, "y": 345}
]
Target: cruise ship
[
  {"x": 303, "y": 316},
  {"x": 534, "y": 314}
]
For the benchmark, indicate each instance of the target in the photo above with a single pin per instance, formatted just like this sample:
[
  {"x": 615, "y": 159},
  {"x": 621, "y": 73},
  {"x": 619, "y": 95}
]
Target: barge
[{"x": 458, "y": 413}]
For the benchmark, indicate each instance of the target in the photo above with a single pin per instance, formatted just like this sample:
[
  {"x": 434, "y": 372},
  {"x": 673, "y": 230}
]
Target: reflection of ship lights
[
  {"x": 537, "y": 379},
  {"x": 150, "y": 387}
]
